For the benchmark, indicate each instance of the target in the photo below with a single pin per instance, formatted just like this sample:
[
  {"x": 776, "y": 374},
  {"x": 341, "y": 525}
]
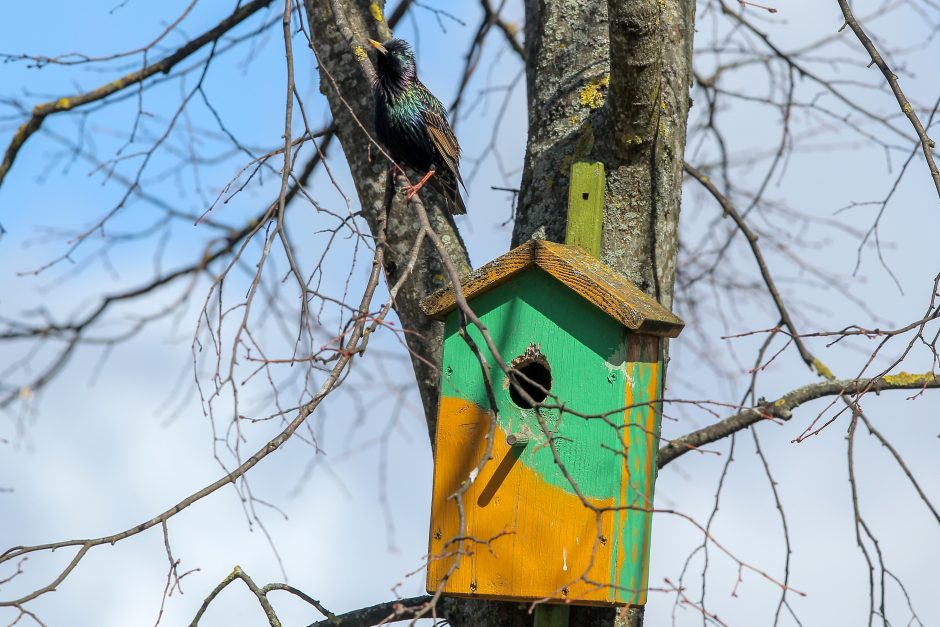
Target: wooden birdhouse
[{"x": 561, "y": 508}]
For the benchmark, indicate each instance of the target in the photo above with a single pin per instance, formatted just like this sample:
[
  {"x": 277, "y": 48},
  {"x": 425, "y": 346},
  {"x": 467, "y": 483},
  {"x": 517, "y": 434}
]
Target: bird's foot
[{"x": 411, "y": 190}]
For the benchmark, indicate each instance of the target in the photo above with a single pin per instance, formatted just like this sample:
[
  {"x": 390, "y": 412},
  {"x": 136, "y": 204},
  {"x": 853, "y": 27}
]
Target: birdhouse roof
[{"x": 573, "y": 267}]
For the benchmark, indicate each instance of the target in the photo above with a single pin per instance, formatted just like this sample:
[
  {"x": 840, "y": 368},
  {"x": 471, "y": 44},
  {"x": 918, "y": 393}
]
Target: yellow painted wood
[
  {"x": 517, "y": 529},
  {"x": 586, "y": 207},
  {"x": 638, "y": 468},
  {"x": 530, "y": 542},
  {"x": 577, "y": 270}
]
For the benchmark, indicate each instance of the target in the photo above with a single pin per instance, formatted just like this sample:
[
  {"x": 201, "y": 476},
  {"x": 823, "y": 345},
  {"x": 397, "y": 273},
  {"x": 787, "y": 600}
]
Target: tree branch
[
  {"x": 357, "y": 339},
  {"x": 926, "y": 143},
  {"x": 728, "y": 207},
  {"x": 388, "y": 612},
  {"x": 262, "y": 595},
  {"x": 164, "y": 65},
  {"x": 510, "y": 31},
  {"x": 344, "y": 78},
  {"x": 783, "y": 407}
]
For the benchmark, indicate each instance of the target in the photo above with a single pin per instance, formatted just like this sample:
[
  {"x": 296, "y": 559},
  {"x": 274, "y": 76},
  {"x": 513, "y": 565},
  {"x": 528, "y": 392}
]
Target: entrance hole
[{"x": 533, "y": 374}]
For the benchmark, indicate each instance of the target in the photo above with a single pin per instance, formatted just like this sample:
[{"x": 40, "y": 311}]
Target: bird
[{"x": 412, "y": 124}]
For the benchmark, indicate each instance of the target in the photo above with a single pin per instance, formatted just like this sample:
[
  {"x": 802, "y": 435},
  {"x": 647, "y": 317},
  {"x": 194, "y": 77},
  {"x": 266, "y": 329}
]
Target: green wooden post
[
  {"x": 552, "y": 615},
  {"x": 585, "y": 221},
  {"x": 586, "y": 207}
]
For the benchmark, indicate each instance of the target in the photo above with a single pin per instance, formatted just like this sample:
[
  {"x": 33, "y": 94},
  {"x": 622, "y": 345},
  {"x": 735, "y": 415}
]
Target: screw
[
  {"x": 603, "y": 539},
  {"x": 473, "y": 586},
  {"x": 517, "y": 439},
  {"x": 448, "y": 372},
  {"x": 612, "y": 376},
  {"x": 438, "y": 535}
]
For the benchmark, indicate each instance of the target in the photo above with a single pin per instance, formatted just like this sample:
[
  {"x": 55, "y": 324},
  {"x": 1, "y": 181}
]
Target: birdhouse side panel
[
  {"x": 546, "y": 519},
  {"x": 643, "y": 365}
]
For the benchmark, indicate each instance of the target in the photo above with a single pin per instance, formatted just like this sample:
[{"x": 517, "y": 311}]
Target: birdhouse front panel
[{"x": 561, "y": 508}]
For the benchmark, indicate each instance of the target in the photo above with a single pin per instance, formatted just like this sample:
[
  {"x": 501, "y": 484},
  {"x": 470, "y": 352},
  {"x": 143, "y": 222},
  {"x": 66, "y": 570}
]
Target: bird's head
[{"x": 395, "y": 62}]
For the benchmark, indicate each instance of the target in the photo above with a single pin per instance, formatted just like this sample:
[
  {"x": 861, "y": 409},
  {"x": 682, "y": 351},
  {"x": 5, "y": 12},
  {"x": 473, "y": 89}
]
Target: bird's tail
[
  {"x": 447, "y": 187},
  {"x": 455, "y": 204}
]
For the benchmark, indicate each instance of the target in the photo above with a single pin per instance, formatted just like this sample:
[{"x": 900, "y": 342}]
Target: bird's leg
[{"x": 413, "y": 189}]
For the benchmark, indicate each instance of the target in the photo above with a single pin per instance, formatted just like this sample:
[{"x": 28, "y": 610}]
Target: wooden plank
[
  {"x": 576, "y": 269},
  {"x": 638, "y": 468},
  {"x": 586, "y": 207}
]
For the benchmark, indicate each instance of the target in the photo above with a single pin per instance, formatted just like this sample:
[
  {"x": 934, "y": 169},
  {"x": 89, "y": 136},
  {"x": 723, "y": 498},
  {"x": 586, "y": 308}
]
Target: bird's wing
[{"x": 435, "y": 120}]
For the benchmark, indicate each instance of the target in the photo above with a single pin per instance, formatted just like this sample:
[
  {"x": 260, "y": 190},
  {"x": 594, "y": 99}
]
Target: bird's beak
[{"x": 378, "y": 46}]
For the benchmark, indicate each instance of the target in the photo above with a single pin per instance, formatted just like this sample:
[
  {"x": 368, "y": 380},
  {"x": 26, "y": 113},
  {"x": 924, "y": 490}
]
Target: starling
[{"x": 412, "y": 123}]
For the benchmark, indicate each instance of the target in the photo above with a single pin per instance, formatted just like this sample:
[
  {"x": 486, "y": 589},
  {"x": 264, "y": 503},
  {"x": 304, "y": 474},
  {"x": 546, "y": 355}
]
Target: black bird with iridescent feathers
[{"x": 412, "y": 124}]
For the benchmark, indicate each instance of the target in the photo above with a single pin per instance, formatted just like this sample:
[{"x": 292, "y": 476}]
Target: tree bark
[
  {"x": 611, "y": 87},
  {"x": 337, "y": 60},
  {"x": 612, "y": 90}
]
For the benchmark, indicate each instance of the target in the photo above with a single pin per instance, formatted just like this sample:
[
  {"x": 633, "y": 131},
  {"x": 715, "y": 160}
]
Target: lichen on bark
[{"x": 611, "y": 87}]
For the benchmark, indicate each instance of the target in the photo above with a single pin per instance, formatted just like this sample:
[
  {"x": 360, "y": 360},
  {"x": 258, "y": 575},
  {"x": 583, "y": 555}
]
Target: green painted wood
[
  {"x": 592, "y": 359},
  {"x": 552, "y": 615},
  {"x": 584, "y": 229},
  {"x": 586, "y": 352},
  {"x": 597, "y": 366},
  {"x": 646, "y": 384},
  {"x": 586, "y": 207}
]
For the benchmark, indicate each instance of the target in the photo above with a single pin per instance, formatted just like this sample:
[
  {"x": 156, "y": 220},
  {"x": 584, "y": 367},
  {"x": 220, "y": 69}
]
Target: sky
[{"x": 120, "y": 435}]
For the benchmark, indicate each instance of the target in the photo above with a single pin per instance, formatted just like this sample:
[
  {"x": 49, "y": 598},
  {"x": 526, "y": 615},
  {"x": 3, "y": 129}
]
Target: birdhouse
[{"x": 560, "y": 510}]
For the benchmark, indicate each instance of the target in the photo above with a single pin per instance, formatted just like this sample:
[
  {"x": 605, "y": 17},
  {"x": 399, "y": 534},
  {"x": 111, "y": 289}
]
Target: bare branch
[
  {"x": 907, "y": 108},
  {"x": 42, "y": 111},
  {"x": 783, "y": 407},
  {"x": 388, "y": 612}
]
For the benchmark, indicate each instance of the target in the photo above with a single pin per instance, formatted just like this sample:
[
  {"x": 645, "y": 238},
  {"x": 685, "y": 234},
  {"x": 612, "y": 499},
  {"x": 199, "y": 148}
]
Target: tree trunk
[
  {"x": 615, "y": 91},
  {"x": 616, "y": 94},
  {"x": 609, "y": 81},
  {"x": 337, "y": 61}
]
